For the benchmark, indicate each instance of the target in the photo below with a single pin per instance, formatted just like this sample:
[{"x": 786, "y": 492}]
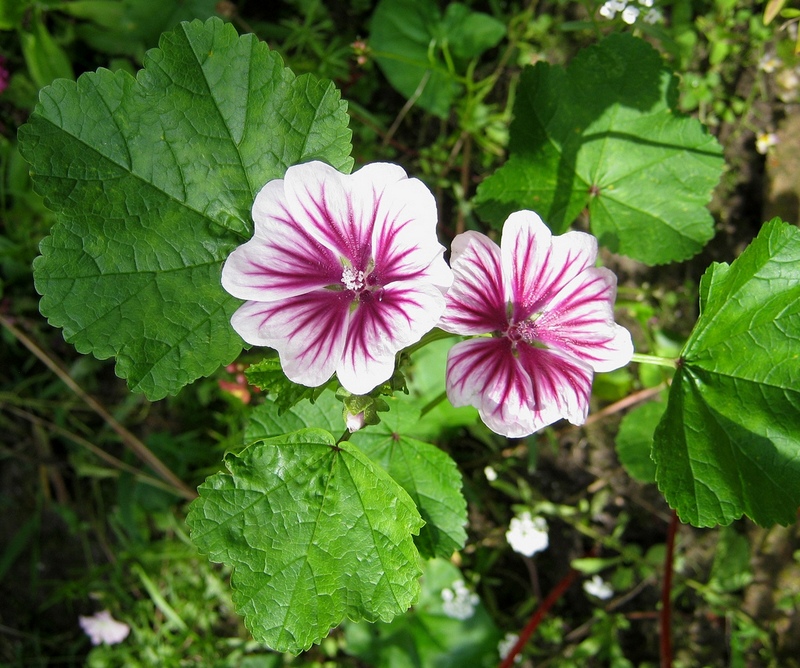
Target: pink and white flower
[
  {"x": 550, "y": 315},
  {"x": 343, "y": 271}
]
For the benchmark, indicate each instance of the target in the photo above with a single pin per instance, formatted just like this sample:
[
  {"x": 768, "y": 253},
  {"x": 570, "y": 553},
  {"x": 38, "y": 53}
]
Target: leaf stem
[
  {"x": 433, "y": 403},
  {"x": 538, "y": 616},
  {"x": 666, "y": 595},
  {"x": 435, "y": 334},
  {"x": 642, "y": 358}
]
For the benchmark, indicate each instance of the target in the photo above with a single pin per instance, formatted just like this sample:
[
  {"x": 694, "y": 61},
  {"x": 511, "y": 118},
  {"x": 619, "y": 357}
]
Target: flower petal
[
  {"x": 518, "y": 393},
  {"x": 308, "y": 331},
  {"x": 404, "y": 240},
  {"x": 339, "y": 209},
  {"x": 282, "y": 259},
  {"x": 382, "y": 326},
  {"x": 475, "y": 302},
  {"x": 580, "y": 321},
  {"x": 537, "y": 265}
]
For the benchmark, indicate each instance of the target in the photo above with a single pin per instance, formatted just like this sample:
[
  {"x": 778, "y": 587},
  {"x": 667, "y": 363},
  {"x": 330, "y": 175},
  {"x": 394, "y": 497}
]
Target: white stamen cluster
[
  {"x": 352, "y": 279},
  {"x": 527, "y": 535},
  {"x": 459, "y": 602}
]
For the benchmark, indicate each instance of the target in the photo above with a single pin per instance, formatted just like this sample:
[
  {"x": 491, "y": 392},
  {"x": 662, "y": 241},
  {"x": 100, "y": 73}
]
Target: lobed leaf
[
  {"x": 603, "y": 135},
  {"x": 408, "y": 39},
  {"x": 152, "y": 180},
  {"x": 729, "y": 442},
  {"x": 270, "y": 419},
  {"x": 315, "y": 533},
  {"x": 428, "y": 474}
]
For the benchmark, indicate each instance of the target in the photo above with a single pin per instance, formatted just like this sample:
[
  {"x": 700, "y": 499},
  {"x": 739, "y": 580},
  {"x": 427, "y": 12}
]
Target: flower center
[
  {"x": 352, "y": 279},
  {"x": 526, "y": 331}
]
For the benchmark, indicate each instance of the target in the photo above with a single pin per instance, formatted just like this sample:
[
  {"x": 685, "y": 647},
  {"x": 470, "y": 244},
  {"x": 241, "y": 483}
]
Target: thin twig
[
  {"x": 627, "y": 402},
  {"x": 666, "y": 595},
  {"x": 538, "y": 616},
  {"x": 80, "y": 440},
  {"x": 140, "y": 449},
  {"x": 407, "y": 107},
  {"x": 466, "y": 159}
]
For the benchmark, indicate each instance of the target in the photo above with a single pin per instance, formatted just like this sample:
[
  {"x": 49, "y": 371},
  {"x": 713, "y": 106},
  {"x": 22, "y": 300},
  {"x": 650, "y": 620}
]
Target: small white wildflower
[
  {"x": 459, "y": 602},
  {"x": 764, "y": 141},
  {"x": 598, "y": 587},
  {"x": 527, "y": 535},
  {"x": 607, "y": 12},
  {"x": 505, "y": 646},
  {"x": 653, "y": 15},
  {"x": 630, "y": 14},
  {"x": 769, "y": 63},
  {"x": 490, "y": 473},
  {"x": 788, "y": 83},
  {"x": 611, "y": 7},
  {"x": 103, "y": 628},
  {"x": 646, "y": 3}
]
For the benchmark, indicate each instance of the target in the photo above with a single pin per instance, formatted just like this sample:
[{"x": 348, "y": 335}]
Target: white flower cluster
[
  {"x": 506, "y": 645},
  {"x": 598, "y": 588},
  {"x": 459, "y": 602},
  {"x": 101, "y": 627},
  {"x": 765, "y": 141},
  {"x": 527, "y": 535},
  {"x": 630, "y": 12},
  {"x": 786, "y": 77}
]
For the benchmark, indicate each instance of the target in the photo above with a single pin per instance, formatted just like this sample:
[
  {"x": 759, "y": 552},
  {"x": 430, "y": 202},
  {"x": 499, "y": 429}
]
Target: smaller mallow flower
[
  {"x": 527, "y": 535},
  {"x": 342, "y": 272},
  {"x": 101, "y": 627},
  {"x": 459, "y": 602},
  {"x": 598, "y": 588},
  {"x": 549, "y": 315}
]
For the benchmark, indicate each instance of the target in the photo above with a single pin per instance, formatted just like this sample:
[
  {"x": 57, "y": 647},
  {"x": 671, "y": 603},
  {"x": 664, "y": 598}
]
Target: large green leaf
[
  {"x": 604, "y": 134},
  {"x": 153, "y": 179},
  {"x": 269, "y": 419},
  {"x": 427, "y": 473},
  {"x": 729, "y": 442},
  {"x": 315, "y": 533},
  {"x": 409, "y": 39}
]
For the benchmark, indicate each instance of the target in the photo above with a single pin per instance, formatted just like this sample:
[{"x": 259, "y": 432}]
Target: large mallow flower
[
  {"x": 549, "y": 312},
  {"x": 343, "y": 271}
]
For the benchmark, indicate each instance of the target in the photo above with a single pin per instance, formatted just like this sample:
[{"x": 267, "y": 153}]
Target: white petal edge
[
  {"x": 536, "y": 264},
  {"x": 378, "y": 332}
]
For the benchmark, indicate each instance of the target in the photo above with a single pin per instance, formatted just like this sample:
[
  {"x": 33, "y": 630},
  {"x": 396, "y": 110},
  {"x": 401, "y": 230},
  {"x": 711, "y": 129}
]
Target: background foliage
[{"x": 96, "y": 527}]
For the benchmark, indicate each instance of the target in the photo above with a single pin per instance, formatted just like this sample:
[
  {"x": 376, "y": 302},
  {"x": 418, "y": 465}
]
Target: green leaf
[
  {"x": 269, "y": 420},
  {"x": 45, "y": 59},
  {"x": 315, "y": 533},
  {"x": 731, "y": 568},
  {"x": 603, "y": 134},
  {"x": 635, "y": 440},
  {"x": 467, "y": 33},
  {"x": 427, "y": 473},
  {"x": 153, "y": 179},
  {"x": 268, "y": 376},
  {"x": 130, "y": 27},
  {"x": 409, "y": 38},
  {"x": 427, "y": 636},
  {"x": 729, "y": 442}
]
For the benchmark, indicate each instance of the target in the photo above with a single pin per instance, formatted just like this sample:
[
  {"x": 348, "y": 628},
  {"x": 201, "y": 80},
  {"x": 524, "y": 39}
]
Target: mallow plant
[{"x": 211, "y": 204}]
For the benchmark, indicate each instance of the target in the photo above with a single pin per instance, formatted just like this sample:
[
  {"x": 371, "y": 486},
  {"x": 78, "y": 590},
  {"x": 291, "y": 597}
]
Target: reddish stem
[
  {"x": 538, "y": 616},
  {"x": 666, "y": 595}
]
